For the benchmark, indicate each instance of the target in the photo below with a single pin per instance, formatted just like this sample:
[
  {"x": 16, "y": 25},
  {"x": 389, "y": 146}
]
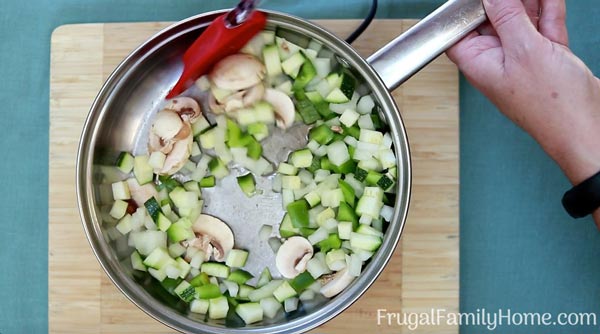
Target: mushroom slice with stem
[
  {"x": 214, "y": 236},
  {"x": 167, "y": 124},
  {"x": 340, "y": 281},
  {"x": 283, "y": 107},
  {"x": 187, "y": 108},
  {"x": 237, "y": 72},
  {"x": 176, "y": 158},
  {"x": 292, "y": 256}
]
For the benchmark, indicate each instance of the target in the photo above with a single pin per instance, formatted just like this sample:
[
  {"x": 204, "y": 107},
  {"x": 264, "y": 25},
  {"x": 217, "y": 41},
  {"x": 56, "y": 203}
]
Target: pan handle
[{"x": 397, "y": 61}]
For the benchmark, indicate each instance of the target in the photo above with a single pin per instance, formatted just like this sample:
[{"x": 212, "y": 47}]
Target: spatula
[{"x": 226, "y": 35}]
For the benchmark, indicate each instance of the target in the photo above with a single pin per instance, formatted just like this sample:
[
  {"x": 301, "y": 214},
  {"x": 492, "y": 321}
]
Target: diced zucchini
[
  {"x": 162, "y": 222},
  {"x": 200, "y": 126},
  {"x": 207, "y": 182},
  {"x": 145, "y": 242},
  {"x": 199, "y": 306},
  {"x": 312, "y": 198},
  {"x": 291, "y": 66},
  {"x": 365, "y": 241},
  {"x": 239, "y": 276},
  {"x": 264, "y": 278},
  {"x": 265, "y": 291},
  {"x": 183, "y": 199},
  {"x": 286, "y": 48},
  {"x": 287, "y": 169},
  {"x": 180, "y": 230},
  {"x": 291, "y": 182},
  {"x": 366, "y": 229},
  {"x": 336, "y": 259},
  {"x": 236, "y": 258},
  {"x": 284, "y": 291},
  {"x": 371, "y": 136},
  {"x": 250, "y": 312},
  {"x": 125, "y": 162},
  {"x": 153, "y": 208},
  {"x": 218, "y": 308},
  {"x": 215, "y": 269},
  {"x": 345, "y": 228},
  {"x": 158, "y": 258},
  {"x": 349, "y": 117},
  {"x": 317, "y": 266},
  {"x": 185, "y": 291},
  {"x": 332, "y": 198},
  {"x": 301, "y": 158},
  {"x": 120, "y": 191},
  {"x": 142, "y": 170},
  {"x": 247, "y": 184},
  {"x": 136, "y": 261},
  {"x": 218, "y": 168},
  {"x": 244, "y": 291},
  {"x": 385, "y": 182},
  {"x": 270, "y": 306},
  {"x": 207, "y": 138},
  {"x": 119, "y": 209},
  {"x": 272, "y": 60},
  {"x": 336, "y": 96}
]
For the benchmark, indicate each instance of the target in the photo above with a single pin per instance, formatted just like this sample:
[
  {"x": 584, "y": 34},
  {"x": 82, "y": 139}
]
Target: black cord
[{"x": 364, "y": 25}]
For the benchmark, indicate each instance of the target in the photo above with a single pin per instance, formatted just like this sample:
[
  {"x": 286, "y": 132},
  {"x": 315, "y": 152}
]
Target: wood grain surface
[{"x": 423, "y": 273}]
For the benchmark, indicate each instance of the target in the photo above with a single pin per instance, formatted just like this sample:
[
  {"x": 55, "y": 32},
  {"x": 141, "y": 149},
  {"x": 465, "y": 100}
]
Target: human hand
[{"x": 521, "y": 61}]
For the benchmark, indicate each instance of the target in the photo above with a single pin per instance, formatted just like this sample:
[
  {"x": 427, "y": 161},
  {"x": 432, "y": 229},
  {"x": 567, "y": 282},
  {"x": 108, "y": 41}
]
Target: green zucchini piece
[
  {"x": 247, "y": 184},
  {"x": 125, "y": 162},
  {"x": 207, "y": 182},
  {"x": 240, "y": 276}
]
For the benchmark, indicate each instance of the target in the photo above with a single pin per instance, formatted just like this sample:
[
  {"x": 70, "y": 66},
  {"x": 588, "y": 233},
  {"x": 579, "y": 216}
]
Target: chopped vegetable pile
[{"x": 337, "y": 191}]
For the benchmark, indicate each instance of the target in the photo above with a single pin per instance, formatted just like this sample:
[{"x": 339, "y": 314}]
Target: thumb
[{"x": 510, "y": 20}]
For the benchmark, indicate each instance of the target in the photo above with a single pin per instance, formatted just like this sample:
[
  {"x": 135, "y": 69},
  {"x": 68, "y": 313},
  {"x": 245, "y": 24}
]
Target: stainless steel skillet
[{"x": 119, "y": 120}]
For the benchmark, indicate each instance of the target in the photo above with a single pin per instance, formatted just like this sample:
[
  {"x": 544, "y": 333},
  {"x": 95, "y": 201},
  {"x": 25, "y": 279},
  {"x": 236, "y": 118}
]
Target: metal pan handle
[{"x": 408, "y": 53}]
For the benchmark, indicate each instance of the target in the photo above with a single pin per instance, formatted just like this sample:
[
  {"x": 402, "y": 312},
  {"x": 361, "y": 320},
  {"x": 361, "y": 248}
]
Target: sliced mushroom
[
  {"x": 158, "y": 144},
  {"x": 293, "y": 256},
  {"x": 213, "y": 236},
  {"x": 176, "y": 158},
  {"x": 237, "y": 72},
  {"x": 140, "y": 194},
  {"x": 187, "y": 108},
  {"x": 167, "y": 124},
  {"x": 283, "y": 107},
  {"x": 340, "y": 281},
  {"x": 253, "y": 95},
  {"x": 238, "y": 100},
  {"x": 215, "y": 106}
]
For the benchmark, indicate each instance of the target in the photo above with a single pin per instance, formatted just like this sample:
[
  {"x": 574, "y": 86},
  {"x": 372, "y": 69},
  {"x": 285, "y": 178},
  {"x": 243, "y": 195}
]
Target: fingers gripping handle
[{"x": 408, "y": 53}]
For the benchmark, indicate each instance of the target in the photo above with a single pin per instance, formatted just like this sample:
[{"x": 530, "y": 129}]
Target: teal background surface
[{"x": 519, "y": 250}]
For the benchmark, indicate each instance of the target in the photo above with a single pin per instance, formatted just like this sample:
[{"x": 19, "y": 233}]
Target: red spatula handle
[{"x": 215, "y": 43}]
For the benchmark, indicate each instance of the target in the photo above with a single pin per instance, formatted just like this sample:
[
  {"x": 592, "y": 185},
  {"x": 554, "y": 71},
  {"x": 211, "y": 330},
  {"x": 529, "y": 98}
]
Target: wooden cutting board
[{"x": 423, "y": 273}]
